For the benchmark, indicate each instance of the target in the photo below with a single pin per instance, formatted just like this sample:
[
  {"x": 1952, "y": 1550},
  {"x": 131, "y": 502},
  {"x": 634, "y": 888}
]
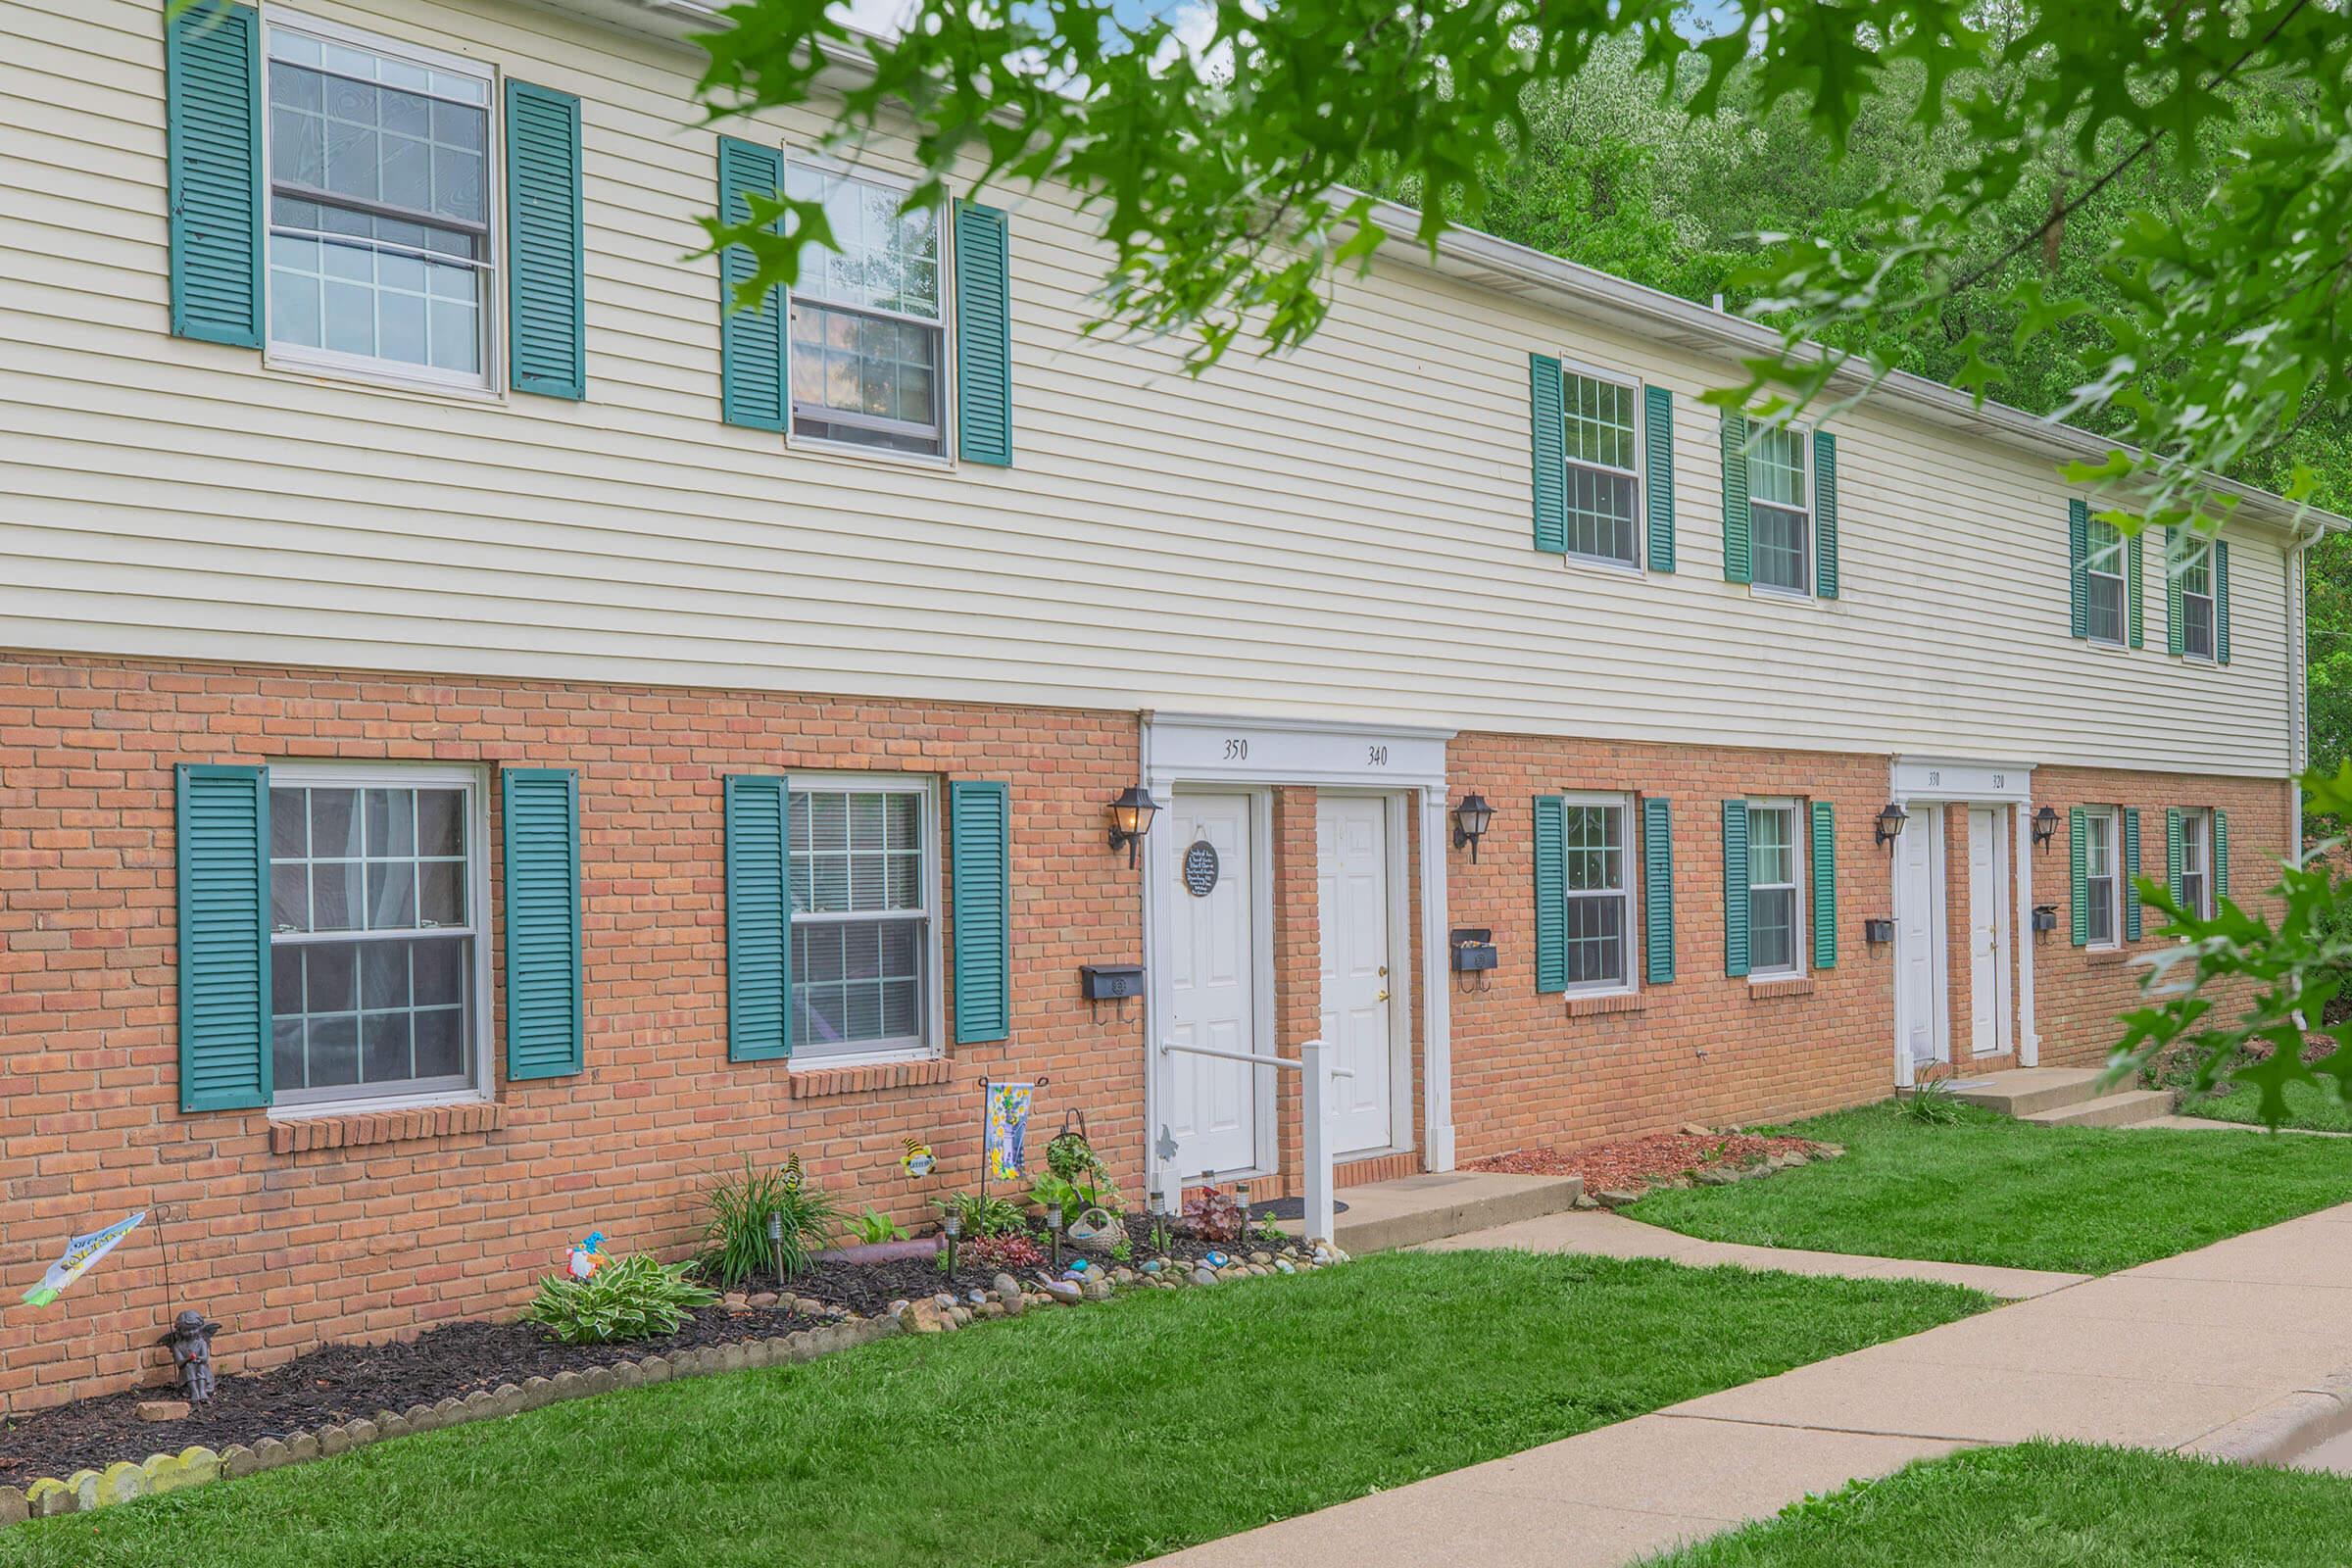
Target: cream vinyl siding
[{"x": 1343, "y": 532}]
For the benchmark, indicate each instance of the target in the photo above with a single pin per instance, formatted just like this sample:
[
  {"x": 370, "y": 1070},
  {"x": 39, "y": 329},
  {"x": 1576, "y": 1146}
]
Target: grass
[
  {"x": 2307, "y": 1105},
  {"x": 2051, "y": 1505},
  {"x": 1989, "y": 1190},
  {"x": 1069, "y": 1438}
]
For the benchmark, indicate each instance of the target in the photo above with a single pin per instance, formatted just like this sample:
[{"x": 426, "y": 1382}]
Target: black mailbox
[
  {"x": 1111, "y": 982},
  {"x": 1474, "y": 951}
]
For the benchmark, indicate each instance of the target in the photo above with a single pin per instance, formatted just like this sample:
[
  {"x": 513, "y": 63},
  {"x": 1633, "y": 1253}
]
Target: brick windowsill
[
  {"x": 297, "y": 1134},
  {"x": 2107, "y": 955},
  {"x": 1614, "y": 1001},
  {"x": 820, "y": 1082},
  {"x": 1758, "y": 990}
]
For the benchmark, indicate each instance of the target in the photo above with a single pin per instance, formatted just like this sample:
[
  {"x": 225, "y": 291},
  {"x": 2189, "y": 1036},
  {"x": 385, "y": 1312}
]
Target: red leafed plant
[
  {"x": 1001, "y": 1253},
  {"x": 1213, "y": 1214}
]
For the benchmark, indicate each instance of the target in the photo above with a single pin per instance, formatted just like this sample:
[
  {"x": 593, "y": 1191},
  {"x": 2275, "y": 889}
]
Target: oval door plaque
[{"x": 1201, "y": 868}]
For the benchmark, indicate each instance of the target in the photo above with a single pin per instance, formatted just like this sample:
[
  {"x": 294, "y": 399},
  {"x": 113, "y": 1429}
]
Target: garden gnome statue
[{"x": 191, "y": 1342}]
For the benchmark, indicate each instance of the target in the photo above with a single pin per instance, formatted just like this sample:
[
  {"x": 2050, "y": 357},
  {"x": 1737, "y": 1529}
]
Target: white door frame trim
[
  {"x": 1938, "y": 949},
  {"x": 1397, "y": 808},
  {"x": 1966, "y": 781}
]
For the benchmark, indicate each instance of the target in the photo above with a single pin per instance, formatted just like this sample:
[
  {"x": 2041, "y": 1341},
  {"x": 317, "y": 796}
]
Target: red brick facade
[{"x": 374, "y": 1225}]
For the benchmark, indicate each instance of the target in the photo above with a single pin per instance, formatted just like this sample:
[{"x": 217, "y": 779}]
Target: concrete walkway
[{"x": 2235, "y": 1350}]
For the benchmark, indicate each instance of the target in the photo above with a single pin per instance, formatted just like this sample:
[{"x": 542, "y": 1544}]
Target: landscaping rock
[
  {"x": 163, "y": 1409},
  {"x": 921, "y": 1317},
  {"x": 735, "y": 1301},
  {"x": 84, "y": 1484},
  {"x": 655, "y": 1369},
  {"x": 1096, "y": 1288},
  {"x": 1829, "y": 1150},
  {"x": 1204, "y": 1275},
  {"x": 364, "y": 1432},
  {"x": 14, "y": 1510},
  {"x": 1283, "y": 1266},
  {"x": 237, "y": 1461},
  {"x": 1617, "y": 1197},
  {"x": 120, "y": 1482},
  {"x": 1586, "y": 1201},
  {"x": 1066, "y": 1292},
  {"x": 809, "y": 1307},
  {"x": 303, "y": 1446},
  {"x": 1715, "y": 1176},
  {"x": 761, "y": 1298},
  {"x": 992, "y": 1310},
  {"x": 1262, "y": 1257}
]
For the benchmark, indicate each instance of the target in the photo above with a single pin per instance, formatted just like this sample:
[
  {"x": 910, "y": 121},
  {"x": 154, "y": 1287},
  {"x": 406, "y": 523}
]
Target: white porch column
[
  {"x": 1436, "y": 985},
  {"x": 2028, "y": 1037}
]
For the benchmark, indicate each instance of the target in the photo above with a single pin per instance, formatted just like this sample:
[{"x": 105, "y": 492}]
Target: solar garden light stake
[
  {"x": 775, "y": 1244},
  {"x": 951, "y": 1225},
  {"x": 1054, "y": 1224}
]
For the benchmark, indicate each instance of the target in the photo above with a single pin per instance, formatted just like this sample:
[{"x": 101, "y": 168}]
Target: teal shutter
[
  {"x": 2133, "y": 576},
  {"x": 1824, "y": 885},
  {"x": 2078, "y": 856},
  {"x": 1739, "y": 558},
  {"x": 224, "y": 827},
  {"x": 2175, "y": 632},
  {"x": 2221, "y": 854},
  {"x": 547, "y": 326},
  {"x": 213, "y": 91},
  {"x": 758, "y": 919},
  {"x": 2171, "y": 851},
  {"x": 983, "y": 335},
  {"x": 1657, "y": 888},
  {"x": 1657, "y": 441},
  {"x": 1547, "y": 433},
  {"x": 2078, "y": 566},
  {"x": 751, "y": 342},
  {"x": 1551, "y": 894},
  {"x": 2131, "y": 873},
  {"x": 980, "y": 823},
  {"x": 1825, "y": 515},
  {"x": 2220, "y": 602},
  {"x": 544, "y": 1014},
  {"x": 1734, "y": 887}
]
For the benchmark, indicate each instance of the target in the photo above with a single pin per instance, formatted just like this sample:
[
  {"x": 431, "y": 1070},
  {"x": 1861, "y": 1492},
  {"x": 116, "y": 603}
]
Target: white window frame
[
  {"x": 2200, "y": 553},
  {"x": 944, "y": 457},
  {"x": 1812, "y": 564},
  {"x": 2196, "y": 840},
  {"x": 474, "y": 781},
  {"x": 1630, "y": 893},
  {"x": 1592, "y": 372},
  {"x": 2120, "y": 576},
  {"x": 489, "y": 385},
  {"x": 1798, "y": 858},
  {"x": 930, "y": 1044},
  {"x": 2109, "y": 818}
]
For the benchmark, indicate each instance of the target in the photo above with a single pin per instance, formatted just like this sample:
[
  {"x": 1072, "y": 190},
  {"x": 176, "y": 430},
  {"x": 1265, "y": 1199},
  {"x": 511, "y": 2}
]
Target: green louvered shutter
[
  {"x": 1657, "y": 440},
  {"x": 1825, "y": 886},
  {"x": 1734, "y": 887},
  {"x": 2077, "y": 857},
  {"x": 213, "y": 88},
  {"x": 1738, "y": 556},
  {"x": 545, "y": 1025},
  {"x": 2220, "y": 602},
  {"x": 1547, "y": 433},
  {"x": 758, "y": 919},
  {"x": 1657, "y": 888},
  {"x": 2132, "y": 577},
  {"x": 2171, "y": 851},
  {"x": 2175, "y": 632},
  {"x": 225, "y": 995},
  {"x": 1551, "y": 894},
  {"x": 547, "y": 325},
  {"x": 980, "y": 825},
  {"x": 983, "y": 335},
  {"x": 751, "y": 343},
  {"x": 2221, "y": 854},
  {"x": 2078, "y": 566},
  {"x": 1825, "y": 515},
  {"x": 2131, "y": 873}
]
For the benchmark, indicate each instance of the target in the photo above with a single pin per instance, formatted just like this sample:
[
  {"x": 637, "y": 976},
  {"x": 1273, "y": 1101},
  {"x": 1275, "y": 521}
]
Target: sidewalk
[{"x": 2221, "y": 1351}]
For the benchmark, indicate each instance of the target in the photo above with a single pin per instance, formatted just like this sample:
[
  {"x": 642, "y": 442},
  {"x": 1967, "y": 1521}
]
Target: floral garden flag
[
  {"x": 80, "y": 1253},
  {"x": 1007, "y": 1129}
]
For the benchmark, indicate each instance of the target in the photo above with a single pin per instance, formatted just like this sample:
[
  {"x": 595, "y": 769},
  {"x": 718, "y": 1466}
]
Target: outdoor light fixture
[
  {"x": 1054, "y": 1224},
  {"x": 2046, "y": 827},
  {"x": 951, "y": 1224},
  {"x": 776, "y": 1240},
  {"x": 1891, "y": 818},
  {"x": 1131, "y": 818},
  {"x": 1241, "y": 1196},
  {"x": 1470, "y": 820}
]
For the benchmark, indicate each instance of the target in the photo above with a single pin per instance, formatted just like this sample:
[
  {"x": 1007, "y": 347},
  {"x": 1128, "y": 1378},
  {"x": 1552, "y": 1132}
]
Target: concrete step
[
  {"x": 1433, "y": 1206},
  {"x": 2026, "y": 1091},
  {"x": 2109, "y": 1111}
]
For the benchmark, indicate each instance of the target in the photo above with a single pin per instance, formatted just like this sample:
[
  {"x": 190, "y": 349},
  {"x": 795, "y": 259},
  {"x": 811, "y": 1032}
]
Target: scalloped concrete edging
[{"x": 120, "y": 1481}]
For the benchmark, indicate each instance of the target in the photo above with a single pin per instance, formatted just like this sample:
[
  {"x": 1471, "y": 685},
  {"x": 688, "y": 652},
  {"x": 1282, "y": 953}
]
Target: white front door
[
  {"x": 1919, "y": 1001},
  {"x": 1212, "y": 985},
  {"x": 1352, "y": 859},
  {"x": 1987, "y": 932}
]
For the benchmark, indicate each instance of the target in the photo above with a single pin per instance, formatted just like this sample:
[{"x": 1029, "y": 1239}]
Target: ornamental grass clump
[
  {"x": 637, "y": 1297},
  {"x": 735, "y": 1237}
]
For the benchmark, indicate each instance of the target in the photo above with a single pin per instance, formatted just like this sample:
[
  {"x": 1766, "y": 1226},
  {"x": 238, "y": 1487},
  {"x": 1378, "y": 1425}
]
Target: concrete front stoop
[
  {"x": 2063, "y": 1096},
  {"x": 1435, "y": 1204}
]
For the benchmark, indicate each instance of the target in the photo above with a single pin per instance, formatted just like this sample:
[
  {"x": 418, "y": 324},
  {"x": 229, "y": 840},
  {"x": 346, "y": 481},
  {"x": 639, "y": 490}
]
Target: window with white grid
[
  {"x": 1604, "y": 488},
  {"x": 861, "y": 918},
  {"x": 1780, "y": 510},
  {"x": 1601, "y": 899}
]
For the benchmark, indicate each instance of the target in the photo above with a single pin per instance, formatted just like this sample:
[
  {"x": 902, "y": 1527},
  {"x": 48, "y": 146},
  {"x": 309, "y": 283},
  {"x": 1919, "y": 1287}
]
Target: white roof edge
[{"x": 1488, "y": 261}]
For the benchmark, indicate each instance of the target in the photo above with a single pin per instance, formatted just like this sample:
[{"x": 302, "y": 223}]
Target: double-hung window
[
  {"x": 2102, "y": 873},
  {"x": 377, "y": 904},
  {"x": 861, "y": 918},
  {"x": 1604, "y": 488},
  {"x": 868, "y": 329},
  {"x": 1600, "y": 901},
  {"x": 2196, "y": 862},
  {"x": 2105, "y": 575},
  {"x": 2196, "y": 599},
  {"x": 1774, "y": 935},
  {"x": 1781, "y": 511},
  {"x": 380, "y": 244}
]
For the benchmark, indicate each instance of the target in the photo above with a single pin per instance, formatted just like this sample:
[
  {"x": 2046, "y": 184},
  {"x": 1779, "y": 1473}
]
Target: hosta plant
[{"x": 637, "y": 1297}]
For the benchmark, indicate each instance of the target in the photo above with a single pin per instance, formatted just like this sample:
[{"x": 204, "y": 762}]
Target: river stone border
[{"x": 120, "y": 1481}]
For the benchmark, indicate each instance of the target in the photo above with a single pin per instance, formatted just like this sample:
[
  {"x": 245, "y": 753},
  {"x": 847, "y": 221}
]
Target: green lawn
[
  {"x": 1098, "y": 1435},
  {"x": 2052, "y": 1505},
  {"x": 1989, "y": 1190},
  {"x": 2307, "y": 1105}
]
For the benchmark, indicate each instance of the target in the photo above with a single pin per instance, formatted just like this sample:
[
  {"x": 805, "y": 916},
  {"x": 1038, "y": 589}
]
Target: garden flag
[
  {"x": 80, "y": 1253},
  {"x": 1007, "y": 1129}
]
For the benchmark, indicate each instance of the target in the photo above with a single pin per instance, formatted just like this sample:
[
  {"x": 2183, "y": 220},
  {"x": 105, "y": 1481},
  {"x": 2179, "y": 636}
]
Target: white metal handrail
[{"x": 1315, "y": 1070}]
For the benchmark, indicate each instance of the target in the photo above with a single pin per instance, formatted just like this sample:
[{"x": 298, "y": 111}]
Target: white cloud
[{"x": 884, "y": 18}]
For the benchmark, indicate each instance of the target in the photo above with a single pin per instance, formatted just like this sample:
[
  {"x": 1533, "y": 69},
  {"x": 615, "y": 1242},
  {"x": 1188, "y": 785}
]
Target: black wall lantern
[
  {"x": 1892, "y": 817},
  {"x": 1131, "y": 818},
  {"x": 1470, "y": 820},
  {"x": 2046, "y": 827}
]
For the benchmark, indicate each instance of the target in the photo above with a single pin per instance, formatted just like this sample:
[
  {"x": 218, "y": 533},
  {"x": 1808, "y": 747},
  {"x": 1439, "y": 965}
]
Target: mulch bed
[{"x": 1630, "y": 1164}]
